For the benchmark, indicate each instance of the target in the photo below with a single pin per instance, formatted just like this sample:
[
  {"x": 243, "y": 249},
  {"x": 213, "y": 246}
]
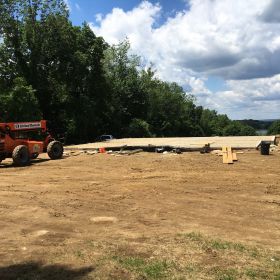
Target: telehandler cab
[{"x": 23, "y": 141}]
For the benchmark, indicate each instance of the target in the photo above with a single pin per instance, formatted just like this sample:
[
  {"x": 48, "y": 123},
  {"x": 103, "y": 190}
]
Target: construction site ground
[{"x": 144, "y": 216}]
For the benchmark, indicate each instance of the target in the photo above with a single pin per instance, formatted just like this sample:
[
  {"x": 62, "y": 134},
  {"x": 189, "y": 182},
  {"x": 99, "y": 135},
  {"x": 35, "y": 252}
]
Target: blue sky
[
  {"x": 226, "y": 53},
  {"x": 83, "y": 10}
]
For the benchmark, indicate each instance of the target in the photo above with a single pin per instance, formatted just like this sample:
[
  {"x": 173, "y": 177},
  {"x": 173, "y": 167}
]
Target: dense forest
[{"x": 53, "y": 70}]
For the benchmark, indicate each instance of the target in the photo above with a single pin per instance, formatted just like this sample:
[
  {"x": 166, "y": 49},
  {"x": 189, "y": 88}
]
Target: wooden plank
[
  {"x": 234, "y": 157},
  {"x": 229, "y": 154},
  {"x": 128, "y": 152},
  {"x": 225, "y": 154},
  {"x": 133, "y": 152}
]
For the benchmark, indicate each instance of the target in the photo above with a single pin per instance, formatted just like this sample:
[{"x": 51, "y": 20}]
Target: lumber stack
[{"x": 228, "y": 156}]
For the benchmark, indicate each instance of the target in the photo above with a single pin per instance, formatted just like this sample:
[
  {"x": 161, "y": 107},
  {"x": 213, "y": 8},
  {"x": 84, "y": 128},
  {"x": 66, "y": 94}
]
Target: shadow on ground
[
  {"x": 32, "y": 162},
  {"x": 39, "y": 271}
]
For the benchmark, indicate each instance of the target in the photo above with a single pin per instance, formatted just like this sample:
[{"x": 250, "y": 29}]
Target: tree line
[{"x": 83, "y": 86}]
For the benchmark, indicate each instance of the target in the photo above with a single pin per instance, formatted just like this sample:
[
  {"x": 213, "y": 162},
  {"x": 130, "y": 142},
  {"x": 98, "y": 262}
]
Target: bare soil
[{"x": 144, "y": 216}]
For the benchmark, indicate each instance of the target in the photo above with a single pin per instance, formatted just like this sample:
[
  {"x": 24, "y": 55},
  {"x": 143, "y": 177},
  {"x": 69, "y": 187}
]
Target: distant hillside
[
  {"x": 269, "y": 120},
  {"x": 258, "y": 124}
]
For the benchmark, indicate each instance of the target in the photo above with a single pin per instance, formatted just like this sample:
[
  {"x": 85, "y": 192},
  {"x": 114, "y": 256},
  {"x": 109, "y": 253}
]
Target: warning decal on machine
[{"x": 27, "y": 125}]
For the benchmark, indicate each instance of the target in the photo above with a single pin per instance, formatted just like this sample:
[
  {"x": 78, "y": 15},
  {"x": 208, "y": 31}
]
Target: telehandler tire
[
  {"x": 55, "y": 150},
  {"x": 21, "y": 155},
  {"x": 34, "y": 156}
]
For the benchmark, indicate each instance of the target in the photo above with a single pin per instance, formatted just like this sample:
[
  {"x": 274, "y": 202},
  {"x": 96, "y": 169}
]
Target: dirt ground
[{"x": 144, "y": 216}]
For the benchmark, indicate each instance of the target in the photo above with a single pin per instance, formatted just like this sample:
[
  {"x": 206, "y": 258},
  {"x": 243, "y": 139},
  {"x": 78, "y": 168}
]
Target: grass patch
[
  {"x": 156, "y": 269},
  {"x": 194, "y": 236},
  {"x": 186, "y": 256},
  {"x": 131, "y": 262},
  {"x": 227, "y": 274},
  {"x": 216, "y": 244},
  {"x": 251, "y": 273},
  {"x": 231, "y": 260},
  {"x": 150, "y": 269},
  {"x": 225, "y": 245}
]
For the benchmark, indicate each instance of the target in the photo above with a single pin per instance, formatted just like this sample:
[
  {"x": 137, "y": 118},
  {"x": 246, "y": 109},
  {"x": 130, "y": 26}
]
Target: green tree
[
  {"x": 170, "y": 111},
  {"x": 274, "y": 128},
  {"x": 20, "y": 103},
  {"x": 129, "y": 99},
  {"x": 60, "y": 62},
  {"x": 235, "y": 128},
  {"x": 139, "y": 128}
]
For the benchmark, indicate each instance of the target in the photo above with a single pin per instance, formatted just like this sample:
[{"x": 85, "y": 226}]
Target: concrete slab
[{"x": 236, "y": 142}]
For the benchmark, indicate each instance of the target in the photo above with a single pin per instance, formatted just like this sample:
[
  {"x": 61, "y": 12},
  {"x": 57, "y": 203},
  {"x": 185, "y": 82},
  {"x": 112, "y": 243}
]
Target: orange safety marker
[{"x": 102, "y": 150}]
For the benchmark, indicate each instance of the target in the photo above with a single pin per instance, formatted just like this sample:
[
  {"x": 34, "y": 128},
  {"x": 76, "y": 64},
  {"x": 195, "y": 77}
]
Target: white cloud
[
  {"x": 136, "y": 24},
  {"x": 77, "y": 6},
  {"x": 255, "y": 98},
  {"x": 233, "y": 39},
  {"x": 98, "y": 17},
  {"x": 198, "y": 87},
  {"x": 68, "y": 5}
]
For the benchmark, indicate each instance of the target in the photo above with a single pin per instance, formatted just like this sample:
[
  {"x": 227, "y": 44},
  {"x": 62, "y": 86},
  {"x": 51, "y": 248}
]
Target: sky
[{"x": 224, "y": 52}]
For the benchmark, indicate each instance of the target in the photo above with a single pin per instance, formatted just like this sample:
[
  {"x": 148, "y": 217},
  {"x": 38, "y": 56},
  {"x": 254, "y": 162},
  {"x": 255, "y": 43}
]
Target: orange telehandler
[{"x": 23, "y": 141}]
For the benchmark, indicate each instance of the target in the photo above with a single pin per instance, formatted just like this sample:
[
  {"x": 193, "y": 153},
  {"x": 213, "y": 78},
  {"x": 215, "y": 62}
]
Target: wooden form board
[{"x": 228, "y": 156}]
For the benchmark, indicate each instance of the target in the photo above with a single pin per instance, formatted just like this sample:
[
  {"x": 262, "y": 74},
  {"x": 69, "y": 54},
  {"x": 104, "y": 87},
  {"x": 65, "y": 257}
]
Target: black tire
[
  {"x": 21, "y": 155},
  {"x": 34, "y": 156},
  {"x": 55, "y": 150}
]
